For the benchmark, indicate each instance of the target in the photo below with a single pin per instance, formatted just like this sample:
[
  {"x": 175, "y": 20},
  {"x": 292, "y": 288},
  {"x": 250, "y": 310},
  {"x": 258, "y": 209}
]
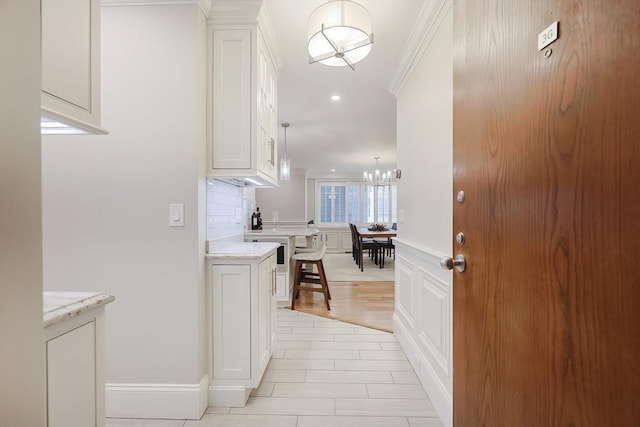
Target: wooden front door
[{"x": 547, "y": 151}]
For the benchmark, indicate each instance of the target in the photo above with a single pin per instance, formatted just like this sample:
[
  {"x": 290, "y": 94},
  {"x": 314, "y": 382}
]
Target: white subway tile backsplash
[{"x": 226, "y": 210}]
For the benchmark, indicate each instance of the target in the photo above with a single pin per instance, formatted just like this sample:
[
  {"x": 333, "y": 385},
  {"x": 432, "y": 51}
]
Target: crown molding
[
  {"x": 205, "y": 5},
  {"x": 108, "y": 3},
  {"x": 266, "y": 27},
  {"x": 234, "y": 11},
  {"x": 429, "y": 19}
]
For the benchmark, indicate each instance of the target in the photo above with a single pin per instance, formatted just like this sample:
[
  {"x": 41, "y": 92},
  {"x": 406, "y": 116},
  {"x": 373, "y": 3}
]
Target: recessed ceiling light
[
  {"x": 333, "y": 170},
  {"x": 335, "y": 97}
]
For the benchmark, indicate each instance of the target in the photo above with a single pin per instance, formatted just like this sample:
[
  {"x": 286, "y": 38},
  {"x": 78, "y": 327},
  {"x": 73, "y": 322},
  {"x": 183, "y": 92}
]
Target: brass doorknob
[{"x": 458, "y": 262}]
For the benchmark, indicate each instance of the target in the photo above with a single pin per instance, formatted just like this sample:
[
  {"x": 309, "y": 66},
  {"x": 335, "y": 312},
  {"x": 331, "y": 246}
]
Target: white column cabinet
[
  {"x": 242, "y": 105},
  {"x": 242, "y": 314},
  {"x": 71, "y": 63}
]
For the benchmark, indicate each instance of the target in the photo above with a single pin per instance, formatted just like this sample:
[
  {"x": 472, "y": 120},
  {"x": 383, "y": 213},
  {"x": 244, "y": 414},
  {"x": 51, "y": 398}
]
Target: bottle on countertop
[
  {"x": 254, "y": 221},
  {"x": 259, "y": 218}
]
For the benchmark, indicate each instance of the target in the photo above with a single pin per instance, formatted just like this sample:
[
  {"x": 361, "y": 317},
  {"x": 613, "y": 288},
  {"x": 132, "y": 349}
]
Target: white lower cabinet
[
  {"x": 266, "y": 311},
  {"x": 74, "y": 351},
  {"x": 282, "y": 288},
  {"x": 71, "y": 380},
  {"x": 242, "y": 315}
]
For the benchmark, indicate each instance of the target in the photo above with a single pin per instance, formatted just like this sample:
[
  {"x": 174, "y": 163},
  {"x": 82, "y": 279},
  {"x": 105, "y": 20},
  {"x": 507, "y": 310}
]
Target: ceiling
[{"x": 343, "y": 135}]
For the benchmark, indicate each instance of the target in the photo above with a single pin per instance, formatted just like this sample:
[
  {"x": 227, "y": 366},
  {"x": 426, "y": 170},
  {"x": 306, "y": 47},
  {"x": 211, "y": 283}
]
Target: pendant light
[
  {"x": 285, "y": 163},
  {"x": 339, "y": 34}
]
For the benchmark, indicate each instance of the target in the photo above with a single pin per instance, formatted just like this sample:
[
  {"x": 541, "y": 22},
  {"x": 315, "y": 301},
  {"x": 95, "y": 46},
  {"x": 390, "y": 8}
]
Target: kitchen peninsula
[{"x": 285, "y": 238}]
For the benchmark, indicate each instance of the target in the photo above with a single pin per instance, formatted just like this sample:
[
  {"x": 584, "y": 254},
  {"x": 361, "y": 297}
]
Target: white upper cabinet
[
  {"x": 241, "y": 101},
  {"x": 267, "y": 114},
  {"x": 71, "y": 64},
  {"x": 230, "y": 115}
]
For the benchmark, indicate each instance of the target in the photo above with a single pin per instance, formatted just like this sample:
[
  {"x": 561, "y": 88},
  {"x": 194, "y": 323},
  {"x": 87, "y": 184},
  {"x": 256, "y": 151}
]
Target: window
[
  {"x": 326, "y": 207},
  {"x": 340, "y": 203}
]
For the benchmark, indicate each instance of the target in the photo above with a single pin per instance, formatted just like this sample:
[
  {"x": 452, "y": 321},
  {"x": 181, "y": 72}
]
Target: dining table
[{"x": 366, "y": 233}]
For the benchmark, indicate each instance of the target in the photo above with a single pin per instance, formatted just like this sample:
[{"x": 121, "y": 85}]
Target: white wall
[
  {"x": 288, "y": 199},
  {"x": 106, "y": 201},
  {"x": 22, "y": 376},
  {"x": 425, "y": 151},
  {"x": 311, "y": 199},
  {"x": 423, "y": 299}
]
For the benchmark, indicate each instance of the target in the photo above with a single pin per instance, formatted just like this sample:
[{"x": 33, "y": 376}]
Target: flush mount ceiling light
[
  {"x": 339, "y": 34},
  {"x": 285, "y": 163},
  {"x": 376, "y": 178}
]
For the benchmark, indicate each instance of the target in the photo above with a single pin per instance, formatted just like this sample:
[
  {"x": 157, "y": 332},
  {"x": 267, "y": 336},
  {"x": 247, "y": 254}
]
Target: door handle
[
  {"x": 458, "y": 262},
  {"x": 272, "y": 159}
]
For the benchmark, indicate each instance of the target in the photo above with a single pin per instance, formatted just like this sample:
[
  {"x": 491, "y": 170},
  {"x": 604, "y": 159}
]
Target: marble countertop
[
  {"x": 284, "y": 231},
  {"x": 61, "y": 305},
  {"x": 240, "y": 249}
]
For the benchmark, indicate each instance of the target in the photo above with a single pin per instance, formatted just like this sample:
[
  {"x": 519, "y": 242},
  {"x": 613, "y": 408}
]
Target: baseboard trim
[
  {"x": 168, "y": 401},
  {"x": 437, "y": 392},
  {"x": 228, "y": 396}
]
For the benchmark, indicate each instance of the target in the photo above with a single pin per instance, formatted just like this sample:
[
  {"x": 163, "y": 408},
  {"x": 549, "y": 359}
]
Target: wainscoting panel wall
[
  {"x": 422, "y": 321},
  {"x": 332, "y": 241},
  {"x": 337, "y": 239},
  {"x": 405, "y": 307}
]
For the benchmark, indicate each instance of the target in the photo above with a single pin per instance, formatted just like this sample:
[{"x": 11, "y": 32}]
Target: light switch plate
[
  {"x": 401, "y": 216},
  {"x": 176, "y": 214}
]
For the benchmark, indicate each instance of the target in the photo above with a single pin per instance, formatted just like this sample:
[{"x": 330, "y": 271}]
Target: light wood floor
[{"x": 362, "y": 303}]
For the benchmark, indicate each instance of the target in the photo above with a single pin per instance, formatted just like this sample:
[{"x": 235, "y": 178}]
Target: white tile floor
[{"x": 325, "y": 373}]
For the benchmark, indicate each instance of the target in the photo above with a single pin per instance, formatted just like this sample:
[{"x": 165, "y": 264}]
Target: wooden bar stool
[
  {"x": 305, "y": 267},
  {"x": 309, "y": 277}
]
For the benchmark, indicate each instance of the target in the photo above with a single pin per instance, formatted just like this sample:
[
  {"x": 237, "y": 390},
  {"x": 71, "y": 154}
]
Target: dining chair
[
  {"x": 387, "y": 245},
  {"x": 366, "y": 245},
  {"x": 354, "y": 243}
]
